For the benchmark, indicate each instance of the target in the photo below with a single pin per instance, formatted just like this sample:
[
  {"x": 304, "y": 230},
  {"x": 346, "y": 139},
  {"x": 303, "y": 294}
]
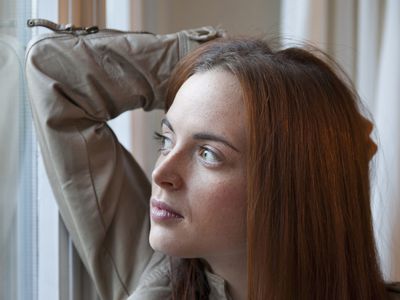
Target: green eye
[{"x": 209, "y": 156}]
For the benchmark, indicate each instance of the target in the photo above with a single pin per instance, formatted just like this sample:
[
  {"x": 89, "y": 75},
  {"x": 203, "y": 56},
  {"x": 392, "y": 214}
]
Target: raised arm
[{"x": 76, "y": 84}]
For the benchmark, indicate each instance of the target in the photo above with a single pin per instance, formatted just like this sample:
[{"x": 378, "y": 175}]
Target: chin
[{"x": 169, "y": 244}]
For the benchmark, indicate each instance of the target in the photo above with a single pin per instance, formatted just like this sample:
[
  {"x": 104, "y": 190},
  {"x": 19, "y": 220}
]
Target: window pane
[{"x": 17, "y": 160}]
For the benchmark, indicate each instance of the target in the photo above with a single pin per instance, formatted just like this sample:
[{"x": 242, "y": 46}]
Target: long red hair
[{"x": 309, "y": 220}]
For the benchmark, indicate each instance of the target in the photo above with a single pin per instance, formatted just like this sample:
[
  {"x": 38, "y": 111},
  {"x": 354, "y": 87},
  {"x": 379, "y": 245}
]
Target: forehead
[{"x": 209, "y": 100}]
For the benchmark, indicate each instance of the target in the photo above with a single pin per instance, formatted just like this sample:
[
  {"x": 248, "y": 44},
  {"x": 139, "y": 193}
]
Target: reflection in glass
[{"x": 17, "y": 215}]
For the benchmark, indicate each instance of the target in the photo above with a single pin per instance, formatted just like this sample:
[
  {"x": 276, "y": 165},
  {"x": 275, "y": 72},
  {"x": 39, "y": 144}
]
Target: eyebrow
[
  {"x": 206, "y": 136},
  {"x": 165, "y": 122}
]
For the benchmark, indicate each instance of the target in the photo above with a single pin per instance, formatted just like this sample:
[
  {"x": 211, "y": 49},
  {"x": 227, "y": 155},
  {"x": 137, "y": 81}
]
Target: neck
[{"x": 233, "y": 269}]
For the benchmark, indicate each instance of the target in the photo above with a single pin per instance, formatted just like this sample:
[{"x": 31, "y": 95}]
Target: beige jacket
[{"x": 77, "y": 82}]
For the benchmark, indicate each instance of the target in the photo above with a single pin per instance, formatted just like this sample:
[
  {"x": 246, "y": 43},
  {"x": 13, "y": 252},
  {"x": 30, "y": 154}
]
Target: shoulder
[
  {"x": 393, "y": 290},
  {"x": 154, "y": 283}
]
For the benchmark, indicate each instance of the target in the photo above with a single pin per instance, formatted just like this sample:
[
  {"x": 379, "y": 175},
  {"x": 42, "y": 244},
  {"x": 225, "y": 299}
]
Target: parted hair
[{"x": 309, "y": 223}]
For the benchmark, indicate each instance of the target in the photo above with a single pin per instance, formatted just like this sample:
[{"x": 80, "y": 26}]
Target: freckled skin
[{"x": 210, "y": 194}]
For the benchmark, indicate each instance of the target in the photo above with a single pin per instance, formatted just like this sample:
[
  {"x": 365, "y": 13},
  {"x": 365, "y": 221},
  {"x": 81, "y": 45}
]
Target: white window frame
[{"x": 48, "y": 217}]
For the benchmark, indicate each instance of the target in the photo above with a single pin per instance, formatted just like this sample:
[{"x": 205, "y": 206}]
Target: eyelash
[{"x": 162, "y": 139}]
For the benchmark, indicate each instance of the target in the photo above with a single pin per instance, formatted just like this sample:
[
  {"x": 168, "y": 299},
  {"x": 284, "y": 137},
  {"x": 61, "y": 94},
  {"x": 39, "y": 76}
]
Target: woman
[
  {"x": 306, "y": 150},
  {"x": 261, "y": 189}
]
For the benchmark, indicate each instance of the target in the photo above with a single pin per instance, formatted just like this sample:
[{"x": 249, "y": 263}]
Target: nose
[{"x": 168, "y": 172}]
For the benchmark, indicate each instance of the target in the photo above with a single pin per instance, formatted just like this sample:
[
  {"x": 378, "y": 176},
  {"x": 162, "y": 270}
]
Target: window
[{"x": 18, "y": 217}]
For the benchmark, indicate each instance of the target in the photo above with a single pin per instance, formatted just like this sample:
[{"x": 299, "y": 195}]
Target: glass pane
[{"x": 17, "y": 159}]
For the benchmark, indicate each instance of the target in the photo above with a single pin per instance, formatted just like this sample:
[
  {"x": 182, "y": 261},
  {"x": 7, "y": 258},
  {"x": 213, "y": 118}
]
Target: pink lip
[{"x": 161, "y": 211}]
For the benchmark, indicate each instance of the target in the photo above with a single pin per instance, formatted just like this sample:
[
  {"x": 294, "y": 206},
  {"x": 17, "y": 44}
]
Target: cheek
[
  {"x": 227, "y": 197},
  {"x": 221, "y": 207},
  {"x": 221, "y": 191}
]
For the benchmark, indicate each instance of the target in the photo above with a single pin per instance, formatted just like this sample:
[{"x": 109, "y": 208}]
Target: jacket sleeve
[{"x": 76, "y": 84}]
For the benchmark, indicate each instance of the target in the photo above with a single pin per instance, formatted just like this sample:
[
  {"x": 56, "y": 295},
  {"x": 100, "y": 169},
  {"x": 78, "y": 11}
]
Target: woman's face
[{"x": 198, "y": 203}]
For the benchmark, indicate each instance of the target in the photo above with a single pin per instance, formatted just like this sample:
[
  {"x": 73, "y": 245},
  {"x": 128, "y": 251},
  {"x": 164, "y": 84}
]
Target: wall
[
  {"x": 238, "y": 17},
  {"x": 252, "y": 17}
]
